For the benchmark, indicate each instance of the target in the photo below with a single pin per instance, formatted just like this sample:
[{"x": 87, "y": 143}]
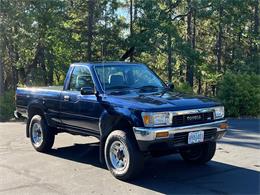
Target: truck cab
[{"x": 129, "y": 109}]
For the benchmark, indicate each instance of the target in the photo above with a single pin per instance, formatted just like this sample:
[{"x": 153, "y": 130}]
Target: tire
[
  {"x": 42, "y": 138},
  {"x": 121, "y": 146},
  {"x": 199, "y": 154}
]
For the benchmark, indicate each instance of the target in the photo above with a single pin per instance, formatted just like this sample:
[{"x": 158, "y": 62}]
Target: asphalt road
[{"x": 72, "y": 167}]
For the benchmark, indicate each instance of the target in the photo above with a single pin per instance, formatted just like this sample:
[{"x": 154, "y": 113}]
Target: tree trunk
[
  {"x": 194, "y": 29},
  {"x": 41, "y": 61},
  {"x": 14, "y": 57},
  {"x": 50, "y": 75},
  {"x": 194, "y": 49},
  {"x": 254, "y": 47},
  {"x": 131, "y": 27},
  {"x": 206, "y": 89},
  {"x": 30, "y": 67},
  {"x": 1, "y": 75},
  {"x": 14, "y": 77},
  {"x": 256, "y": 17},
  {"x": 104, "y": 43},
  {"x": 199, "y": 85},
  {"x": 57, "y": 77},
  {"x": 189, "y": 68},
  {"x": 51, "y": 68},
  {"x": 21, "y": 75},
  {"x": 219, "y": 39},
  {"x": 91, "y": 6},
  {"x": 135, "y": 9},
  {"x": 169, "y": 45},
  {"x": 189, "y": 22}
]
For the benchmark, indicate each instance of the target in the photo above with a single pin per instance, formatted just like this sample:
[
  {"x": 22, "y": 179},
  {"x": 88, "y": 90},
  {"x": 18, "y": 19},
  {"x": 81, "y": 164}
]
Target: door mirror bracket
[
  {"x": 87, "y": 91},
  {"x": 170, "y": 86}
]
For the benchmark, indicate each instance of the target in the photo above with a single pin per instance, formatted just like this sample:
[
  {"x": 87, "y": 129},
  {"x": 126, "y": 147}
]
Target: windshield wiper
[
  {"x": 118, "y": 87},
  {"x": 147, "y": 87}
]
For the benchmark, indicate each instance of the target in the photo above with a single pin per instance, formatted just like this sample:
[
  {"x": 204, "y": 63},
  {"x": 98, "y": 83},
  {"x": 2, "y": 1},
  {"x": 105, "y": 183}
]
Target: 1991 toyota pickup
[{"x": 129, "y": 109}]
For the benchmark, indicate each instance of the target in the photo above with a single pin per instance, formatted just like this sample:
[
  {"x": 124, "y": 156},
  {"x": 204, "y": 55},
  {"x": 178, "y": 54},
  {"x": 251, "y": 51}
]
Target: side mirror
[
  {"x": 170, "y": 86},
  {"x": 87, "y": 91}
]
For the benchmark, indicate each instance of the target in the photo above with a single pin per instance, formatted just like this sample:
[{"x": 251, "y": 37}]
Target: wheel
[
  {"x": 41, "y": 136},
  {"x": 199, "y": 154},
  {"x": 122, "y": 156}
]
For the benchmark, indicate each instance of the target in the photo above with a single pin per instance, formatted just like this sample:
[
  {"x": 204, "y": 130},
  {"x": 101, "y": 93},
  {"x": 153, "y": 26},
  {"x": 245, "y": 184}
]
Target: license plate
[{"x": 195, "y": 137}]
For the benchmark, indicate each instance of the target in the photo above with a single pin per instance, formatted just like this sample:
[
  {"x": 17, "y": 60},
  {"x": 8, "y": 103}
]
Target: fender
[
  {"x": 37, "y": 104},
  {"x": 34, "y": 105},
  {"x": 109, "y": 119},
  {"x": 113, "y": 115}
]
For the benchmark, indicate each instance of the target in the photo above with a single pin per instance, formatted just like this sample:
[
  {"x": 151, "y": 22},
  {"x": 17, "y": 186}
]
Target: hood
[{"x": 161, "y": 101}]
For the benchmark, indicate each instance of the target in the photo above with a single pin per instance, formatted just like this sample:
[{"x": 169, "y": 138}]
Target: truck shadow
[
  {"x": 83, "y": 153},
  {"x": 170, "y": 175},
  {"x": 240, "y": 138}
]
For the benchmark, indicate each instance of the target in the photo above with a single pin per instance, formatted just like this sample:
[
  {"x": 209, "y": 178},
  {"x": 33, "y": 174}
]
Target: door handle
[{"x": 66, "y": 98}]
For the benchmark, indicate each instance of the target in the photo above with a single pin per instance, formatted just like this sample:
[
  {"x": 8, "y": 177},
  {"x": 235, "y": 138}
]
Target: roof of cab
[{"x": 105, "y": 63}]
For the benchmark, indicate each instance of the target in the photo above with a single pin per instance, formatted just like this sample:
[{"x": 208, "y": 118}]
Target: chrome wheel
[
  {"x": 119, "y": 156},
  {"x": 37, "y": 134}
]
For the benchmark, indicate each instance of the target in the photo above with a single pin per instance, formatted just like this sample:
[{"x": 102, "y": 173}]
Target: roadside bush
[
  {"x": 184, "y": 88},
  {"x": 7, "y": 106},
  {"x": 240, "y": 94}
]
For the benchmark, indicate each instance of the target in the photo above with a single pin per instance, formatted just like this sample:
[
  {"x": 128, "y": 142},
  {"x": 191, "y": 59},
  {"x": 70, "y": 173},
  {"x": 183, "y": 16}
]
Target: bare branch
[
  {"x": 180, "y": 16},
  {"x": 173, "y": 6}
]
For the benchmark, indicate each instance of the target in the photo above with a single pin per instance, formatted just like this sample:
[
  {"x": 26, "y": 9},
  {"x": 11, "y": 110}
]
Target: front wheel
[
  {"x": 123, "y": 158},
  {"x": 199, "y": 154},
  {"x": 42, "y": 138}
]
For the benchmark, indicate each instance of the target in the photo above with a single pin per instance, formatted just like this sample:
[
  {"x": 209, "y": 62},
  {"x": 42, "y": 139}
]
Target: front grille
[
  {"x": 191, "y": 119},
  {"x": 182, "y": 138}
]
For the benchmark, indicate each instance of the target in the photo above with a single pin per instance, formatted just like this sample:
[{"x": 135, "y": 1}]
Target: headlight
[
  {"x": 219, "y": 112},
  {"x": 156, "y": 119}
]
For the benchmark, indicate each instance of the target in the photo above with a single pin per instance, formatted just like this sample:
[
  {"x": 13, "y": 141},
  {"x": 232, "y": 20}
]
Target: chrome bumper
[
  {"x": 17, "y": 115},
  {"x": 149, "y": 134}
]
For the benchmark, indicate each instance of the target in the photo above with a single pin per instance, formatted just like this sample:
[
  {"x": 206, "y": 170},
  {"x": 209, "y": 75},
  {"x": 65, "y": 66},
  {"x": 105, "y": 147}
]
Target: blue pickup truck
[{"x": 129, "y": 109}]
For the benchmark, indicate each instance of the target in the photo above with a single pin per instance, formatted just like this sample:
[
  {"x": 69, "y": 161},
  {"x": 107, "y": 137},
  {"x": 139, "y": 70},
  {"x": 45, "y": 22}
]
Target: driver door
[{"x": 80, "y": 112}]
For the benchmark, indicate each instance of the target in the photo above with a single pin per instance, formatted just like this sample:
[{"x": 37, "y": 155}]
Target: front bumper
[
  {"x": 17, "y": 114},
  {"x": 147, "y": 138}
]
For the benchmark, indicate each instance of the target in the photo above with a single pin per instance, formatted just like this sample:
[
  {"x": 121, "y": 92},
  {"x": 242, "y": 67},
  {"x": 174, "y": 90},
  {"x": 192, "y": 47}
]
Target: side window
[{"x": 80, "y": 77}]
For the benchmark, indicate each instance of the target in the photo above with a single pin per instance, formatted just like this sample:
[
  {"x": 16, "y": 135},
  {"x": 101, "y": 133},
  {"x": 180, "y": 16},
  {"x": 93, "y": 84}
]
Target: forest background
[{"x": 204, "y": 47}]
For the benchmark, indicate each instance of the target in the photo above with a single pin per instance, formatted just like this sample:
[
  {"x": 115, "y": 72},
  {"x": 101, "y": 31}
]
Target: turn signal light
[
  {"x": 223, "y": 126},
  {"x": 162, "y": 134},
  {"x": 146, "y": 119}
]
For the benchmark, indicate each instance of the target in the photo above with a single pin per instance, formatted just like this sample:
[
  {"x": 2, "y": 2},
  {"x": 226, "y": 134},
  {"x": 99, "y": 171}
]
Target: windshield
[{"x": 128, "y": 77}]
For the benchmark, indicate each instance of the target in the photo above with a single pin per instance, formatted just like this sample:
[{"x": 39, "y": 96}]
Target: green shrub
[
  {"x": 240, "y": 94},
  {"x": 184, "y": 88},
  {"x": 7, "y": 105}
]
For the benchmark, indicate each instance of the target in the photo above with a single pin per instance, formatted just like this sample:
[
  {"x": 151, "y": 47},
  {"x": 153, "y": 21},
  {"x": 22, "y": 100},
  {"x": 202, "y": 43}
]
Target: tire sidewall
[
  {"x": 134, "y": 155},
  {"x": 108, "y": 161},
  {"x": 189, "y": 154},
  {"x": 39, "y": 119},
  {"x": 206, "y": 154}
]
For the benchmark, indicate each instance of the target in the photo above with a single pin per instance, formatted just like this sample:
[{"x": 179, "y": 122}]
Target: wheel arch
[
  {"x": 33, "y": 109},
  {"x": 109, "y": 123}
]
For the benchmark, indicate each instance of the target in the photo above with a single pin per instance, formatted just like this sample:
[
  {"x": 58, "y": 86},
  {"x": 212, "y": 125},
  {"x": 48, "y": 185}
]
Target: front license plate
[{"x": 195, "y": 137}]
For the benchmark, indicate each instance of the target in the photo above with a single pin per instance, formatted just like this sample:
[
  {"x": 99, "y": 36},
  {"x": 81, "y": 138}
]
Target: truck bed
[
  {"x": 49, "y": 96},
  {"x": 53, "y": 88}
]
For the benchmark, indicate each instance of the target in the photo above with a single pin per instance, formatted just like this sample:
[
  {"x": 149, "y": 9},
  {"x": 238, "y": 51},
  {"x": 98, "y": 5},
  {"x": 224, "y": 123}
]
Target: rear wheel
[
  {"x": 199, "y": 154},
  {"x": 123, "y": 158},
  {"x": 42, "y": 138}
]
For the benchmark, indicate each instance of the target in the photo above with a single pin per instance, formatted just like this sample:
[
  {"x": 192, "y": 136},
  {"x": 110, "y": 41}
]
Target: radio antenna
[{"x": 103, "y": 66}]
